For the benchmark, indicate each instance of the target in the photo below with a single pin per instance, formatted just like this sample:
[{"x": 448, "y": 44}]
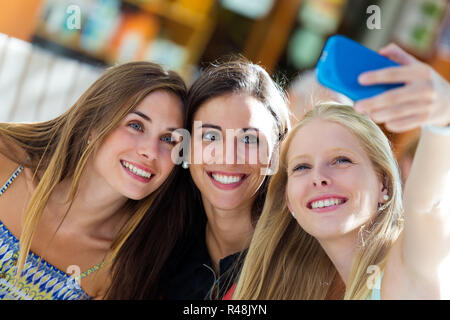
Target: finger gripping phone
[{"x": 343, "y": 60}]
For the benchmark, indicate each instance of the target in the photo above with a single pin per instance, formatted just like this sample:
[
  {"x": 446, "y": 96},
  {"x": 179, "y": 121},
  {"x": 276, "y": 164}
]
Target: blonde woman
[
  {"x": 77, "y": 186},
  {"x": 338, "y": 228}
]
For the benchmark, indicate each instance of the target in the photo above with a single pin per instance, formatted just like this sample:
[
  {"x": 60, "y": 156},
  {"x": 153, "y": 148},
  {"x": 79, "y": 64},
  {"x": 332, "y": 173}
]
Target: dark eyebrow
[
  {"x": 208, "y": 125},
  {"x": 149, "y": 119},
  {"x": 246, "y": 129},
  {"x": 142, "y": 115}
]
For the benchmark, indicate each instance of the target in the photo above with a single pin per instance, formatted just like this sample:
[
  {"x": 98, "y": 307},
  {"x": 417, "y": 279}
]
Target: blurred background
[{"x": 52, "y": 50}]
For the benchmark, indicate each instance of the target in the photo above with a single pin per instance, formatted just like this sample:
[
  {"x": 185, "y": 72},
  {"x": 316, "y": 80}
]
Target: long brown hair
[
  {"x": 285, "y": 262},
  {"x": 58, "y": 149}
]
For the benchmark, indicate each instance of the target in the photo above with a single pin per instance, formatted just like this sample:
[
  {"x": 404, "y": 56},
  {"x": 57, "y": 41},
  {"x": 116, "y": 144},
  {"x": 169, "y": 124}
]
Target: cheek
[
  {"x": 249, "y": 154},
  {"x": 295, "y": 190},
  {"x": 352, "y": 181},
  {"x": 118, "y": 140},
  {"x": 165, "y": 164},
  {"x": 265, "y": 151},
  {"x": 254, "y": 154},
  {"x": 263, "y": 154},
  {"x": 111, "y": 146},
  {"x": 364, "y": 190}
]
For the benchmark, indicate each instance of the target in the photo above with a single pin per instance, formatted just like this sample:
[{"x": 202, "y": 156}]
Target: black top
[{"x": 189, "y": 272}]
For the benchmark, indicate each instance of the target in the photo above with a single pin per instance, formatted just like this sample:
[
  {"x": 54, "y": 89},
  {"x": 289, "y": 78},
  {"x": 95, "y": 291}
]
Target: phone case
[{"x": 343, "y": 60}]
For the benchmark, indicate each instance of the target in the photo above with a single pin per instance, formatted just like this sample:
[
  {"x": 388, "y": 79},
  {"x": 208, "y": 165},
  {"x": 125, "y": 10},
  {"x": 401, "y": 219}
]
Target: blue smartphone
[{"x": 343, "y": 60}]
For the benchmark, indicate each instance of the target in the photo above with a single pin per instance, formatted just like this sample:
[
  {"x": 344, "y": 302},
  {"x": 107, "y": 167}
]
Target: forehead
[
  {"x": 162, "y": 105},
  {"x": 235, "y": 110},
  {"x": 320, "y": 136}
]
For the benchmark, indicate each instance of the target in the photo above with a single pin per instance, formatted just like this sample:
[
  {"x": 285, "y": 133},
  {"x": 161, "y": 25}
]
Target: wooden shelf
[
  {"x": 171, "y": 11},
  {"x": 185, "y": 27},
  {"x": 72, "y": 43}
]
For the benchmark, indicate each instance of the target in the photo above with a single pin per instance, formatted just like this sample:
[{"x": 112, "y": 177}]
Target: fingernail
[{"x": 363, "y": 78}]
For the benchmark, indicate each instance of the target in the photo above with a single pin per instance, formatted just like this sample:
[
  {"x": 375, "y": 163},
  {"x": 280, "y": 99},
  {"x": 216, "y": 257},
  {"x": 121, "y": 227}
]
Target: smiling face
[
  {"x": 332, "y": 186},
  {"x": 134, "y": 159},
  {"x": 233, "y": 137}
]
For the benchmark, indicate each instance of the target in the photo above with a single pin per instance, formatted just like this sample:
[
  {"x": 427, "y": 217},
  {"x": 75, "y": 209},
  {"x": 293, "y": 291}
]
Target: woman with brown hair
[
  {"x": 83, "y": 181},
  {"x": 236, "y": 116}
]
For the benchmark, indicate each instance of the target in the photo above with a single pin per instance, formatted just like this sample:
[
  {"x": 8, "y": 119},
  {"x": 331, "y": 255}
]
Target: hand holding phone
[
  {"x": 341, "y": 63},
  {"x": 423, "y": 99}
]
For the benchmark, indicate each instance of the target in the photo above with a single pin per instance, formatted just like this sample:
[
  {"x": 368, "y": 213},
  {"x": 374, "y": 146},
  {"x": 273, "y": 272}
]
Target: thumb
[{"x": 395, "y": 53}]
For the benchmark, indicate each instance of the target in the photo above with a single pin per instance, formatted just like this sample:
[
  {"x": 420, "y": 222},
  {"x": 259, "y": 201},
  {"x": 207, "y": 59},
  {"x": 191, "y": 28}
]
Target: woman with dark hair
[
  {"x": 236, "y": 116},
  {"x": 81, "y": 183}
]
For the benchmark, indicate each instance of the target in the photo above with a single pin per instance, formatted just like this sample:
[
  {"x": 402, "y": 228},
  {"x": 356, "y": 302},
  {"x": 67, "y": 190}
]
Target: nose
[
  {"x": 149, "y": 149},
  {"x": 322, "y": 182},
  {"x": 230, "y": 152},
  {"x": 320, "y": 179}
]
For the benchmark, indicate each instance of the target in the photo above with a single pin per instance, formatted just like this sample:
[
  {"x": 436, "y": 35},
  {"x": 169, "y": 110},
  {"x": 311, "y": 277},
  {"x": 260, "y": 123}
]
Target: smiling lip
[
  {"x": 228, "y": 186},
  {"x": 135, "y": 176},
  {"x": 323, "y": 198}
]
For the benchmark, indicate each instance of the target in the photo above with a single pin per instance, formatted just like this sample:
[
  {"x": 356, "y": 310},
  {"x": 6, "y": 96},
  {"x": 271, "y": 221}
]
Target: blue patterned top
[{"x": 40, "y": 280}]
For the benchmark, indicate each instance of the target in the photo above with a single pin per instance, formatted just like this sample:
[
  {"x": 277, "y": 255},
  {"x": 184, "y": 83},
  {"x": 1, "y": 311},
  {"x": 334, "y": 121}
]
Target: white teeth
[
  {"x": 226, "y": 179},
  {"x": 136, "y": 171},
  {"x": 326, "y": 203}
]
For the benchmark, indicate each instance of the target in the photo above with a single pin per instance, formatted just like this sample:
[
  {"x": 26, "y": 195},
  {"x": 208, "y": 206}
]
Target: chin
[
  {"x": 226, "y": 204},
  {"x": 332, "y": 232},
  {"x": 133, "y": 197},
  {"x": 136, "y": 196}
]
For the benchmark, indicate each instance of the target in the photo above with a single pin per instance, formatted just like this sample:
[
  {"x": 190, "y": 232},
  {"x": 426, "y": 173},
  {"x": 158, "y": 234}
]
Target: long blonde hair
[
  {"x": 285, "y": 262},
  {"x": 58, "y": 149}
]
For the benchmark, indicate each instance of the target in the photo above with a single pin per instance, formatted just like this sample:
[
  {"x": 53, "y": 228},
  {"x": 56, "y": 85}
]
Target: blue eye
[
  {"x": 301, "y": 167},
  {"x": 250, "y": 139},
  {"x": 136, "y": 126},
  {"x": 211, "y": 136},
  {"x": 168, "y": 139},
  {"x": 340, "y": 160}
]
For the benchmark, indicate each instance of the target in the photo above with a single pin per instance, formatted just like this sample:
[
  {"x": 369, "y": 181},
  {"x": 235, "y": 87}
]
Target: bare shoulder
[
  {"x": 14, "y": 198},
  {"x": 400, "y": 282},
  {"x": 7, "y": 166}
]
